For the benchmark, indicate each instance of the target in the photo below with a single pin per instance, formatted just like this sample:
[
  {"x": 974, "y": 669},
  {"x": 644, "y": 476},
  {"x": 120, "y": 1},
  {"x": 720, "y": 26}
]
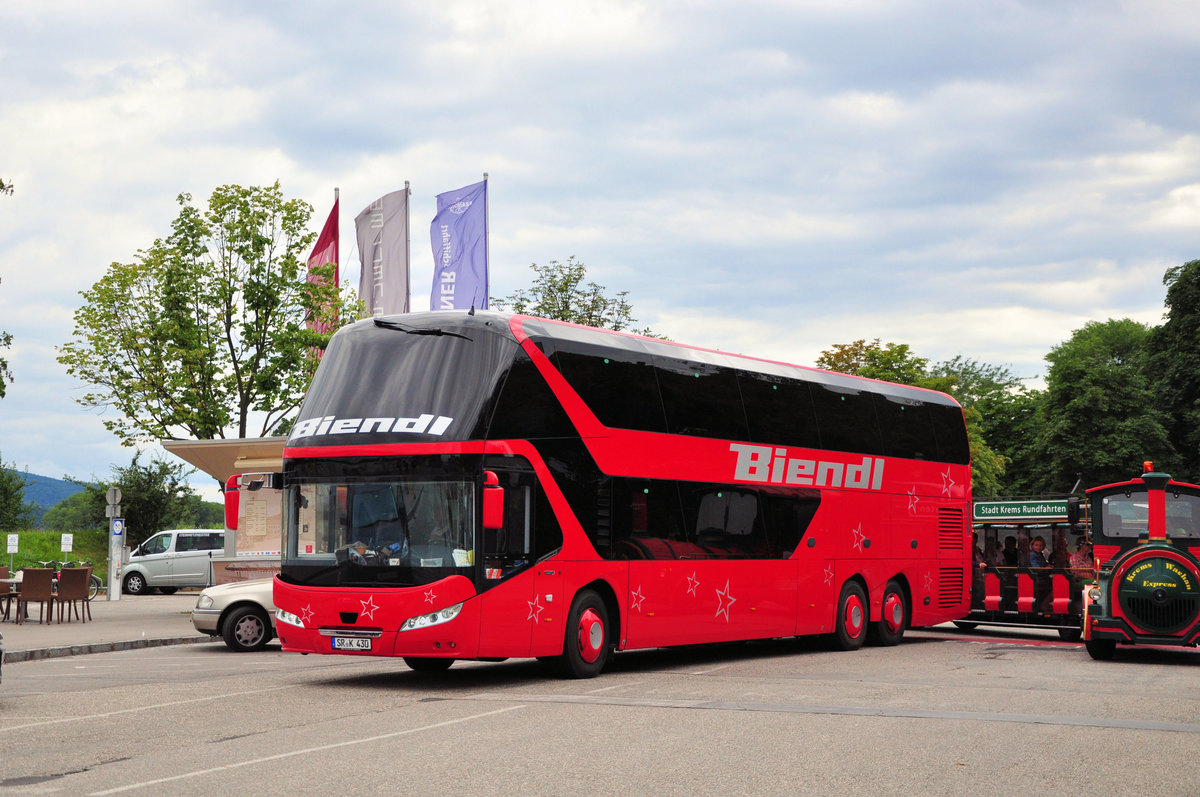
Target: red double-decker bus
[{"x": 488, "y": 486}]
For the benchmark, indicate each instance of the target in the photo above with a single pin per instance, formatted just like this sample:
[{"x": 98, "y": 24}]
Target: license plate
[{"x": 351, "y": 643}]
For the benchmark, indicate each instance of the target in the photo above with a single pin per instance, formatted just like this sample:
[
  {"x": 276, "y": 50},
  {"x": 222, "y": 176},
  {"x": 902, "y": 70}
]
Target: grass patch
[{"x": 44, "y": 546}]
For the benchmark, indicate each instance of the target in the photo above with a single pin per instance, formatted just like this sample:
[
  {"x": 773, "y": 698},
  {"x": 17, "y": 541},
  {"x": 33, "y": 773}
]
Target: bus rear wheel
[
  {"x": 851, "y": 629},
  {"x": 585, "y": 649},
  {"x": 893, "y": 617},
  {"x": 1101, "y": 649},
  {"x": 422, "y": 664}
]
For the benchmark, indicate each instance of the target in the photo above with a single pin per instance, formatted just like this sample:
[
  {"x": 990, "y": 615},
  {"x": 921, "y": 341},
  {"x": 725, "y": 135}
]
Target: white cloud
[{"x": 770, "y": 178}]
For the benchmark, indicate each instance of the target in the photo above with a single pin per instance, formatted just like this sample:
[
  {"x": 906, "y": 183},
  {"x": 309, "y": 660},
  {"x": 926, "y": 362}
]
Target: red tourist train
[
  {"x": 1031, "y": 564},
  {"x": 1146, "y": 533},
  {"x": 484, "y": 486}
]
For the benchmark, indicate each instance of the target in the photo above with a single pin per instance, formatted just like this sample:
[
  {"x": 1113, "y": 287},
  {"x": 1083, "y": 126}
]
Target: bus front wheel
[
  {"x": 585, "y": 649},
  {"x": 851, "y": 617},
  {"x": 422, "y": 664}
]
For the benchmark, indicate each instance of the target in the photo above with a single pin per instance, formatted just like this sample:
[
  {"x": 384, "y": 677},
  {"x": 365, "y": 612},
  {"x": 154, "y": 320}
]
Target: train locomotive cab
[{"x": 1146, "y": 535}]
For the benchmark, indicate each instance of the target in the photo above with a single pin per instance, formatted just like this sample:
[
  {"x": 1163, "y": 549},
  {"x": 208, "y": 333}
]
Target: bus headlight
[
  {"x": 287, "y": 617},
  {"x": 434, "y": 618},
  {"x": 1095, "y": 594}
]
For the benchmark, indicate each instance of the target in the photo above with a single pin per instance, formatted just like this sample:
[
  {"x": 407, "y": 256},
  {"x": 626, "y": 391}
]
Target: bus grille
[
  {"x": 1173, "y": 615},
  {"x": 952, "y": 531},
  {"x": 950, "y": 587}
]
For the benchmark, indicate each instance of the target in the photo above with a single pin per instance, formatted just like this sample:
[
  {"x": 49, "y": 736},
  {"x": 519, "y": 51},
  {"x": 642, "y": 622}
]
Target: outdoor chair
[
  {"x": 37, "y": 586},
  {"x": 7, "y": 594},
  {"x": 72, "y": 595}
]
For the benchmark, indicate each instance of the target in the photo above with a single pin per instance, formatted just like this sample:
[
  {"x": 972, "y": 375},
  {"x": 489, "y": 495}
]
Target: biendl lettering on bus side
[{"x": 773, "y": 465}]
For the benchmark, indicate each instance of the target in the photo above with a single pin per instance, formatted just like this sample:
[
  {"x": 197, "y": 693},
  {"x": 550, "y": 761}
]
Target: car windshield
[{"x": 399, "y": 533}]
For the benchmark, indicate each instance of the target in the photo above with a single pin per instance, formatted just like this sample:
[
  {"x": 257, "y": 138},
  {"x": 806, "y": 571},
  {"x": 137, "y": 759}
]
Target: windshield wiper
[{"x": 380, "y": 322}]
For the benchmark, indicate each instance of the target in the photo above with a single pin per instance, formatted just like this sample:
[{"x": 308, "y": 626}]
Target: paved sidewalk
[{"x": 134, "y": 621}]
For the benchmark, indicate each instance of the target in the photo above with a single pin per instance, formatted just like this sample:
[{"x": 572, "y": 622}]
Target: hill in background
[{"x": 45, "y": 492}]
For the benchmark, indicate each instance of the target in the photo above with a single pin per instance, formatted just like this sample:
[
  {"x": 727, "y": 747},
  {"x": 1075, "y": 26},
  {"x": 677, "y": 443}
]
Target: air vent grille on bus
[
  {"x": 952, "y": 531},
  {"x": 950, "y": 587}
]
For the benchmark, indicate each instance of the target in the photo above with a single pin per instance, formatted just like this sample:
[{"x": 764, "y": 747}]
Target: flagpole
[
  {"x": 337, "y": 254},
  {"x": 487, "y": 243},
  {"x": 407, "y": 248}
]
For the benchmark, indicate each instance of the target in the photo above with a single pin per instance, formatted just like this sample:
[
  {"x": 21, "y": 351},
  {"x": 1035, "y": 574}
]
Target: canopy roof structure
[{"x": 222, "y": 458}]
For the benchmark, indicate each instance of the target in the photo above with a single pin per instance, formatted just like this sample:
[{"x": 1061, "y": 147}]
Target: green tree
[
  {"x": 15, "y": 512},
  {"x": 5, "y": 374},
  {"x": 6, "y": 188},
  {"x": 208, "y": 326},
  {"x": 1174, "y": 362},
  {"x": 78, "y": 512},
  {"x": 1099, "y": 414},
  {"x": 154, "y": 496},
  {"x": 559, "y": 292},
  {"x": 890, "y": 362},
  {"x": 895, "y": 362}
]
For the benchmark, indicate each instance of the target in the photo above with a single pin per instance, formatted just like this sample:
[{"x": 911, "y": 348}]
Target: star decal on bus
[
  {"x": 306, "y": 614},
  {"x": 535, "y": 610},
  {"x": 858, "y": 537},
  {"x": 948, "y": 484},
  {"x": 724, "y": 601},
  {"x": 912, "y": 500},
  {"x": 368, "y": 607},
  {"x": 693, "y": 582},
  {"x": 636, "y": 598},
  {"x": 430, "y": 597},
  {"x": 928, "y": 581},
  {"x": 828, "y": 575}
]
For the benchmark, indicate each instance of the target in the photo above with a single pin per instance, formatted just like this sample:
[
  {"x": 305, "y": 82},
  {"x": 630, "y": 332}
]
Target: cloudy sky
[{"x": 763, "y": 177}]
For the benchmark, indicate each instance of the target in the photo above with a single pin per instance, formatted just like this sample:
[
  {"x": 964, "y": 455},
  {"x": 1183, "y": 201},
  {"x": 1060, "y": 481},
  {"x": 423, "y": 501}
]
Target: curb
[{"x": 36, "y": 654}]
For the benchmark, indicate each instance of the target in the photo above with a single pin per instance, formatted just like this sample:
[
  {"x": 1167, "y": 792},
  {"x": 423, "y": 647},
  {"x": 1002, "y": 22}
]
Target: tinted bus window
[
  {"x": 725, "y": 521},
  {"x": 701, "y": 400},
  {"x": 779, "y": 411},
  {"x": 846, "y": 419},
  {"x": 526, "y": 407},
  {"x": 906, "y": 427},
  {"x": 646, "y": 519},
  {"x": 786, "y": 517},
  {"x": 622, "y": 393},
  {"x": 951, "y": 433}
]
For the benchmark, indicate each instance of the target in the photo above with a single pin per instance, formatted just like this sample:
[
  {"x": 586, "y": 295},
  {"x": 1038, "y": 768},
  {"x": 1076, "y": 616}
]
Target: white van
[{"x": 172, "y": 559}]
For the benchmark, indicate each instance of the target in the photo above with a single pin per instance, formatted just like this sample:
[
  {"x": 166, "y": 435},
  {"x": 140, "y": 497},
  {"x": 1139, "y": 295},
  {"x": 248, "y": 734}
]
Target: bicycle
[{"x": 97, "y": 584}]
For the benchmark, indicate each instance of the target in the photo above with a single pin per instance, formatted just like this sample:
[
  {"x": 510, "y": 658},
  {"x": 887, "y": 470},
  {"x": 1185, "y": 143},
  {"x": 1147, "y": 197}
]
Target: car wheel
[
  {"x": 135, "y": 584},
  {"x": 247, "y": 628}
]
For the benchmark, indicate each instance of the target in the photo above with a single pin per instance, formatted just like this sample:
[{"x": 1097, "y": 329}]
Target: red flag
[{"x": 326, "y": 251}]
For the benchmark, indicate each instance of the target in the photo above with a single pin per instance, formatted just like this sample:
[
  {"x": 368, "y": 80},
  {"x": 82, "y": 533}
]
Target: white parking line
[{"x": 306, "y": 751}]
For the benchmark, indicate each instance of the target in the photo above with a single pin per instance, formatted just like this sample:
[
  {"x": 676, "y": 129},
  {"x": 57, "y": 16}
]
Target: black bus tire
[
  {"x": 424, "y": 664},
  {"x": 893, "y": 617},
  {"x": 586, "y": 646},
  {"x": 851, "y": 621}
]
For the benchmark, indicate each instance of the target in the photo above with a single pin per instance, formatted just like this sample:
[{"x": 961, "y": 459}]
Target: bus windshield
[{"x": 380, "y": 533}]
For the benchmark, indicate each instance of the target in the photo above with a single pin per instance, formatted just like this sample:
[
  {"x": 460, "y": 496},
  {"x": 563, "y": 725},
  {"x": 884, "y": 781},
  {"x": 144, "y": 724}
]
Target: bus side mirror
[{"x": 493, "y": 502}]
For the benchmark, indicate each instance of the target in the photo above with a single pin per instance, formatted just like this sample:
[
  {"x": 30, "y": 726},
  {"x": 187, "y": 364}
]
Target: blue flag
[{"x": 459, "y": 238}]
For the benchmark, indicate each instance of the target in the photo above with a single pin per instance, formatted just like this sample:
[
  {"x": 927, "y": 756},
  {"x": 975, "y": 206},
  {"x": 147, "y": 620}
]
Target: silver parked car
[{"x": 243, "y": 613}]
